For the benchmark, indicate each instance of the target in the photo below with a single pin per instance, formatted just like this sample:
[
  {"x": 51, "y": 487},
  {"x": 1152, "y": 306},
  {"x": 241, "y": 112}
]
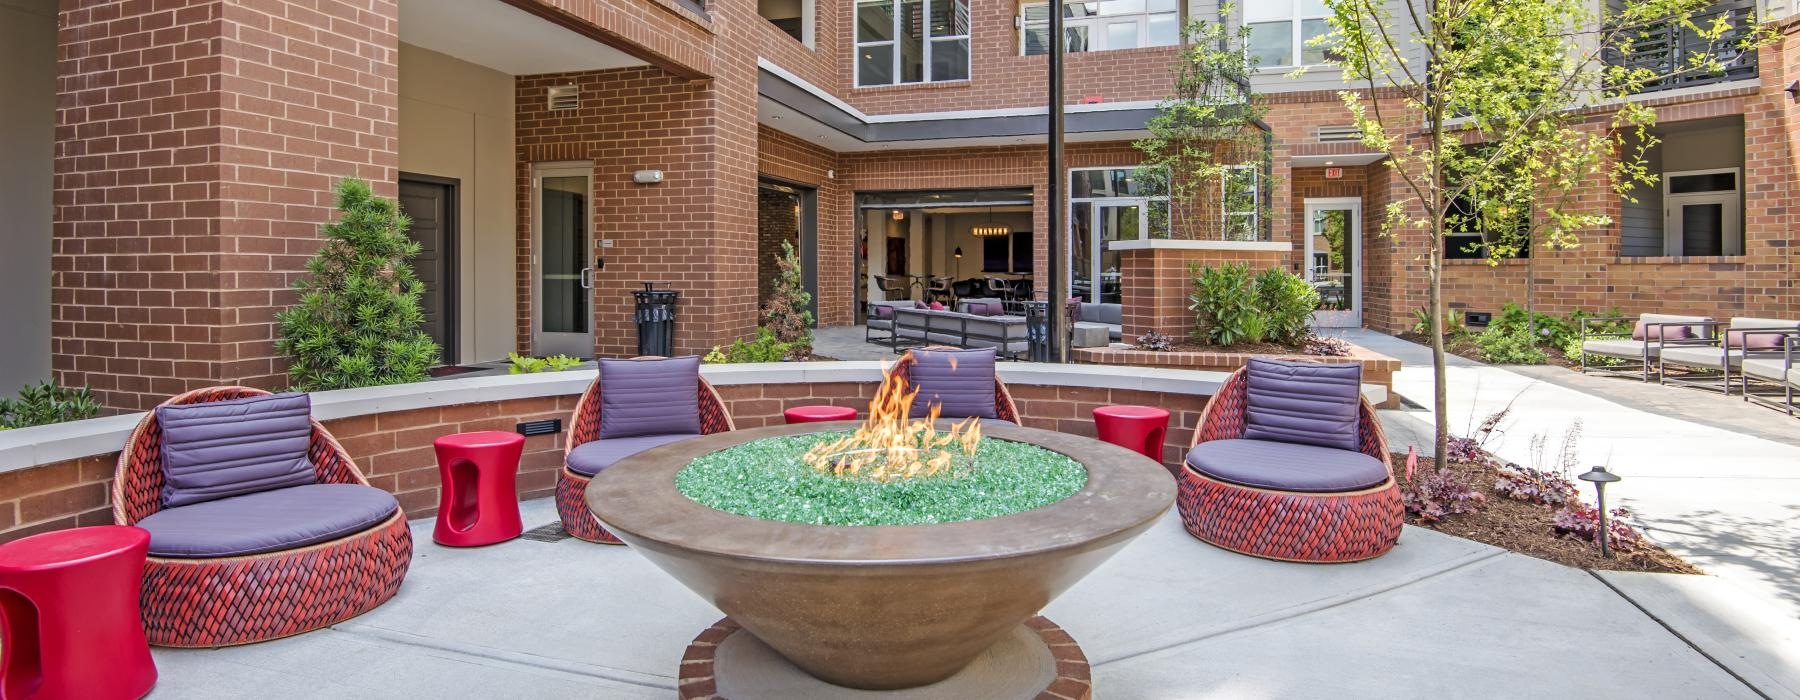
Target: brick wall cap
[
  {"x": 24, "y": 448},
  {"x": 1179, "y": 244}
]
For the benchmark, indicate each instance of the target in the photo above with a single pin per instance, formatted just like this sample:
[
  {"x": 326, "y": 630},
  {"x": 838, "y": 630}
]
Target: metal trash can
[
  {"x": 1037, "y": 330},
  {"x": 656, "y": 319}
]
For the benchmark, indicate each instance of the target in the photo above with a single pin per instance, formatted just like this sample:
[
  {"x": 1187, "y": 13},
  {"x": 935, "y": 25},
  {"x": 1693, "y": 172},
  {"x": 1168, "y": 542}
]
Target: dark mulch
[{"x": 1525, "y": 528}]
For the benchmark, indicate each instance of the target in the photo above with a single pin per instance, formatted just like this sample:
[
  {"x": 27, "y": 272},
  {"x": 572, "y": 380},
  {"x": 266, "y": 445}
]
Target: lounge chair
[
  {"x": 1712, "y": 361},
  {"x": 1779, "y": 371},
  {"x": 961, "y": 382},
  {"x": 652, "y": 401},
  {"x": 1639, "y": 348},
  {"x": 1289, "y": 462},
  {"x": 260, "y": 525}
]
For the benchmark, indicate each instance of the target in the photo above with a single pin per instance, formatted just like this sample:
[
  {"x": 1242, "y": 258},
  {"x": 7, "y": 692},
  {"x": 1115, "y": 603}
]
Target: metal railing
[{"x": 1669, "y": 49}]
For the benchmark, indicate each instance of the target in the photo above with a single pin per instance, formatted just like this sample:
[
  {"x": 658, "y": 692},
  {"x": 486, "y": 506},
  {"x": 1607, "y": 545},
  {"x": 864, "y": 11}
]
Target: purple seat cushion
[
  {"x": 269, "y": 521},
  {"x": 231, "y": 448},
  {"x": 1285, "y": 466},
  {"x": 591, "y": 458},
  {"x": 961, "y": 381},
  {"x": 650, "y": 397},
  {"x": 1303, "y": 403},
  {"x": 1644, "y": 331}
]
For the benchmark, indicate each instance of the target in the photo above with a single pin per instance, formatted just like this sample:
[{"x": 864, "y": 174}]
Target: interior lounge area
[{"x": 945, "y": 247}]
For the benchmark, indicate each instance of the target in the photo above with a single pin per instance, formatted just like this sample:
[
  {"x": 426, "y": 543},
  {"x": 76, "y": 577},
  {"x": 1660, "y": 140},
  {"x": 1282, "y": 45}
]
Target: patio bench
[
  {"x": 1779, "y": 371},
  {"x": 1714, "y": 358},
  {"x": 1640, "y": 346},
  {"x": 1005, "y": 334}
]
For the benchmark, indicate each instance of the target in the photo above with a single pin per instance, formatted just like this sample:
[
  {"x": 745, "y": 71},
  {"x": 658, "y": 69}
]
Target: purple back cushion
[
  {"x": 962, "y": 381},
  {"x": 884, "y": 311},
  {"x": 1644, "y": 331},
  {"x": 1303, "y": 403},
  {"x": 231, "y": 448},
  {"x": 992, "y": 308},
  {"x": 650, "y": 397},
  {"x": 1760, "y": 341}
]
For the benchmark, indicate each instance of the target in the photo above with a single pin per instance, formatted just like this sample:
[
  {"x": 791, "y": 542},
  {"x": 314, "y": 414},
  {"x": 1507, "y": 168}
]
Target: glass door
[
  {"x": 1093, "y": 227},
  {"x": 1333, "y": 262},
  {"x": 563, "y": 317}
]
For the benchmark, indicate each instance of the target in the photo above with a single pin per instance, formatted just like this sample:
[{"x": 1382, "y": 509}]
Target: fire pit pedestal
[{"x": 889, "y": 606}]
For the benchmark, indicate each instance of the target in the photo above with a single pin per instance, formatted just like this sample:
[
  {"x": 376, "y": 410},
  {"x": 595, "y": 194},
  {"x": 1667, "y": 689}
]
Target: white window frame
[
  {"x": 894, "y": 45},
  {"x": 1295, "y": 20},
  {"x": 1096, "y": 24},
  {"x": 1731, "y": 240},
  {"x": 1255, "y": 212}
]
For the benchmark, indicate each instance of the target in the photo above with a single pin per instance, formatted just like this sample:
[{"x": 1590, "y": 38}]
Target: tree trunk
[{"x": 1440, "y": 389}]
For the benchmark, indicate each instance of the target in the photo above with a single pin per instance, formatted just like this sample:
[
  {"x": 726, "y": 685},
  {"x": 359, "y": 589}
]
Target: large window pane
[
  {"x": 950, "y": 59},
  {"x": 1122, "y": 35},
  {"x": 949, "y": 17},
  {"x": 875, "y": 20},
  {"x": 1121, "y": 7},
  {"x": 1081, "y": 9},
  {"x": 1313, "y": 8},
  {"x": 1077, "y": 39},
  {"x": 1162, "y": 6},
  {"x": 875, "y": 65},
  {"x": 912, "y": 41},
  {"x": 1272, "y": 43},
  {"x": 1267, "y": 10},
  {"x": 1165, "y": 30},
  {"x": 1310, "y": 53}
]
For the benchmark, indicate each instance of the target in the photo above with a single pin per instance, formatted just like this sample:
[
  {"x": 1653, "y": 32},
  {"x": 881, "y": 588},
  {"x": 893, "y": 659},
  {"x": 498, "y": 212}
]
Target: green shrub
[
  {"x": 1230, "y": 306},
  {"x": 358, "y": 321},
  {"x": 526, "y": 364},
  {"x": 1453, "y": 324},
  {"x": 1509, "y": 347},
  {"x": 1287, "y": 303},
  {"x": 766, "y": 348},
  {"x": 787, "y": 314},
  {"x": 47, "y": 403}
]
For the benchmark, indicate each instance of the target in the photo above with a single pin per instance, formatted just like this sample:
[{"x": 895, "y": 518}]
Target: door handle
[{"x": 587, "y": 278}]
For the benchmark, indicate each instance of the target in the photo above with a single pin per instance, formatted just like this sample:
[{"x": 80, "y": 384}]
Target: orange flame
[{"x": 891, "y": 445}]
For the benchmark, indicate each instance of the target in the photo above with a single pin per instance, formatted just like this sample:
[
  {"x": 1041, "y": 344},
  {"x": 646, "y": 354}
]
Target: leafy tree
[
  {"x": 787, "y": 314},
  {"x": 358, "y": 321},
  {"x": 1512, "y": 112},
  {"x": 1207, "y": 138}
]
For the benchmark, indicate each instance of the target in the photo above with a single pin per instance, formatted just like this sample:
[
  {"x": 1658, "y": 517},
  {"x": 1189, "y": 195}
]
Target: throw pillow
[
  {"x": 961, "y": 381},
  {"x": 1303, "y": 403},
  {"x": 649, "y": 397},
  {"x": 231, "y": 448}
]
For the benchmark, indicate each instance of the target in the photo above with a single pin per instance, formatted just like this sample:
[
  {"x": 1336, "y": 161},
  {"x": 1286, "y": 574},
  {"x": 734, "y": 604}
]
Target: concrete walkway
[
  {"x": 1712, "y": 478},
  {"x": 1169, "y": 617}
]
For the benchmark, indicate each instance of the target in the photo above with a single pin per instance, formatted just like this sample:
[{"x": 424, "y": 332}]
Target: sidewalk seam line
[{"x": 1678, "y": 635}]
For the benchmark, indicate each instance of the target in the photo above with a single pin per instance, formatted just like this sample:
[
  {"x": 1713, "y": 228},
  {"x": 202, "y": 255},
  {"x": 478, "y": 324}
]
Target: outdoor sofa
[
  {"x": 1006, "y": 334},
  {"x": 1109, "y": 314},
  {"x": 1782, "y": 372},
  {"x": 1713, "y": 359},
  {"x": 1638, "y": 350}
]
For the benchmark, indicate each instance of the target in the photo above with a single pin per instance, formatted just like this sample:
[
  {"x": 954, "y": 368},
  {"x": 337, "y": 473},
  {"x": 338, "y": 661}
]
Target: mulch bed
[
  {"x": 1464, "y": 346},
  {"x": 1525, "y": 528},
  {"x": 1191, "y": 345}
]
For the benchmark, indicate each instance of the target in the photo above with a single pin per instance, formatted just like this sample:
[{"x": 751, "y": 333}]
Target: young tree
[
  {"x": 358, "y": 321},
  {"x": 787, "y": 314},
  {"x": 1508, "y": 109}
]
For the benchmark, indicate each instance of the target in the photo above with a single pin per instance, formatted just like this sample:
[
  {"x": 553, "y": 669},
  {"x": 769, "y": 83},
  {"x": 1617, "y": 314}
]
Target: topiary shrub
[
  {"x": 787, "y": 315},
  {"x": 358, "y": 321}
]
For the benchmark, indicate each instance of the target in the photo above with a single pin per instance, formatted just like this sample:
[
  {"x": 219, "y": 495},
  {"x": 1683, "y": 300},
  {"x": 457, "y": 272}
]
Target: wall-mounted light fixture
[
  {"x": 647, "y": 177},
  {"x": 959, "y": 252}
]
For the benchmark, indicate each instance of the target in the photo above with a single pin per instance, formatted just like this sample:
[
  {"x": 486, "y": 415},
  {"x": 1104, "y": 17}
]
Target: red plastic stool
[
  {"x": 70, "y": 626},
  {"x": 817, "y": 414},
  {"x": 1137, "y": 428},
  {"x": 479, "y": 501}
]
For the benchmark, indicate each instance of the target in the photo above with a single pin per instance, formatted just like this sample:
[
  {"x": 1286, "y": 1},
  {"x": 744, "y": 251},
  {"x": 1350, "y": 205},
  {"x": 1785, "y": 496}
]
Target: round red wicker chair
[
  {"x": 1288, "y": 526},
  {"x": 584, "y": 427},
  {"x": 1003, "y": 403},
  {"x": 238, "y": 600}
]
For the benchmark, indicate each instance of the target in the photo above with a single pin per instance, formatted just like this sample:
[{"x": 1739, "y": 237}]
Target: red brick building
[{"x": 174, "y": 159}]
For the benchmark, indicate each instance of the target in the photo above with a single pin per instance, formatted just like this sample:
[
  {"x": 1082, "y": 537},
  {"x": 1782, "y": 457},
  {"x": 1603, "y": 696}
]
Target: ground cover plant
[
  {"x": 768, "y": 479},
  {"x": 47, "y": 403},
  {"x": 526, "y": 364}
]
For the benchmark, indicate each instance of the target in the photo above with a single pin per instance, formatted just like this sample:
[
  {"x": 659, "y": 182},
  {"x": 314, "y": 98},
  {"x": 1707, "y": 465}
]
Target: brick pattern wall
[
  {"x": 197, "y": 143},
  {"x": 394, "y": 449},
  {"x": 1158, "y": 281},
  {"x": 776, "y": 223}
]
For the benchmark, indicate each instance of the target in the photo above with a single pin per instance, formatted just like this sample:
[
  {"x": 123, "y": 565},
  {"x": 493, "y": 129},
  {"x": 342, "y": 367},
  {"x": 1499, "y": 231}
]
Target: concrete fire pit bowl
[{"x": 890, "y": 606}]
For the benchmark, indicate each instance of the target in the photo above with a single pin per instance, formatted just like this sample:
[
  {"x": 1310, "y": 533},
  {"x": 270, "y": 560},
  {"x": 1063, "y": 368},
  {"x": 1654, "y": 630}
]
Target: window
[
  {"x": 1101, "y": 25},
  {"x": 1108, "y": 205},
  {"x": 996, "y": 255},
  {"x": 792, "y": 17},
  {"x": 1281, "y": 29},
  {"x": 1467, "y": 230},
  {"x": 897, "y": 43},
  {"x": 1240, "y": 199}
]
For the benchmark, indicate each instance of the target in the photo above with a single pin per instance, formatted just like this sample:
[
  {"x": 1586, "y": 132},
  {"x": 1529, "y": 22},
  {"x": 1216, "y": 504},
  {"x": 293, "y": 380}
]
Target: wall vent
[
  {"x": 565, "y": 97},
  {"x": 1339, "y": 134}
]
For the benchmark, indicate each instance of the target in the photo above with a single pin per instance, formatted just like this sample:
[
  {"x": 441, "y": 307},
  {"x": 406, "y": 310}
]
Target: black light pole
[{"x": 1057, "y": 291}]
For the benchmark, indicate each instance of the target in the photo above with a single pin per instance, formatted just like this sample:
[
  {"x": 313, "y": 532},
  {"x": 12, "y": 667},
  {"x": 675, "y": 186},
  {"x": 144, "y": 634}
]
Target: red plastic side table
[
  {"x": 479, "y": 501},
  {"x": 817, "y": 414},
  {"x": 1137, "y": 428},
  {"x": 70, "y": 626}
]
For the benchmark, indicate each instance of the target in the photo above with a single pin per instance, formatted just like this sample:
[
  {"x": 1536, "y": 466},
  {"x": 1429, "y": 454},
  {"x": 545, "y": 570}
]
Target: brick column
[{"x": 196, "y": 145}]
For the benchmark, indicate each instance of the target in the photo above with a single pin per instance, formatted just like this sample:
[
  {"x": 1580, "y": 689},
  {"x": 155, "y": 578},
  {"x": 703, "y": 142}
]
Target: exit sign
[{"x": 1333, "y": 173}]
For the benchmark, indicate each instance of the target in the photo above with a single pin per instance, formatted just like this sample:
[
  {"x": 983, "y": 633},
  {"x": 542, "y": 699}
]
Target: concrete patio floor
[{"x": 1169, "y": 617}]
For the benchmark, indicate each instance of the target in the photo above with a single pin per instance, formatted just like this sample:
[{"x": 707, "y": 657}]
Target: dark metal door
[{"x": 431, "y": 204}]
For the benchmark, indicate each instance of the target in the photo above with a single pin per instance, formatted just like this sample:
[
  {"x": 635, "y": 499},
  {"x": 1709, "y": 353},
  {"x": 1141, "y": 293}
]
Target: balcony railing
[{"x": 1669, "y": 49}]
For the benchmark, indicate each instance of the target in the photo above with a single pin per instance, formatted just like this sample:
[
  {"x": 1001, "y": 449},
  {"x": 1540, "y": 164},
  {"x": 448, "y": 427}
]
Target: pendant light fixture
[{"x": 991, "y": 229}]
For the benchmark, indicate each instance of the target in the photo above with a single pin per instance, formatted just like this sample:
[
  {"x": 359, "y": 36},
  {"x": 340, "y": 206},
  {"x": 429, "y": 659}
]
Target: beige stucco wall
[
  {"x": 27, "y": 138},
  {"x": 456, "y": 121}
]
